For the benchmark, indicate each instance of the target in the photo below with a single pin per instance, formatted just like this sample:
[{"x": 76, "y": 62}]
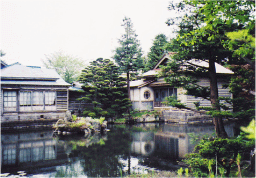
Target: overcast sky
[{"x": 87, "y": 29}]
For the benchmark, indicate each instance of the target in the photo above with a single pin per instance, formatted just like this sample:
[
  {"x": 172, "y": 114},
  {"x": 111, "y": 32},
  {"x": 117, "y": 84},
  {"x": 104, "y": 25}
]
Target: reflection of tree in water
[
  {"x": 103, "y": 159},
  {"x": 67, "y": 171}
]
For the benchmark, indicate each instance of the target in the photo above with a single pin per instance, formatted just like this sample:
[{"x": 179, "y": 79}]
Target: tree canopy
[
  {"x": 156, "y": 51},
  {"x": 203, "y": 34},
  {"x": 105, "y": 89},
  {"x": 129, "y": 55},
  {"x": 67, "y": 66}
]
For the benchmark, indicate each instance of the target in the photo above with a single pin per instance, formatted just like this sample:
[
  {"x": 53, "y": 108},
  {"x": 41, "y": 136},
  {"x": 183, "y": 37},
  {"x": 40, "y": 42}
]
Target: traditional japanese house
[
  {"x": 77, "y": 106},
  {"x": 30, "y": 92},
  {"x": 149, "y": 92}
]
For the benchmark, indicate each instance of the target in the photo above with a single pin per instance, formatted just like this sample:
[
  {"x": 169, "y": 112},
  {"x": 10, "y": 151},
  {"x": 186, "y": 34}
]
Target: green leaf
[{"x": 250, "y": 130}]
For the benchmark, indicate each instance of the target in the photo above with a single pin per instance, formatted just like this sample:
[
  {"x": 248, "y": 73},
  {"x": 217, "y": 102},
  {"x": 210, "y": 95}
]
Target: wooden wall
[{"x": 29, "y": 111}]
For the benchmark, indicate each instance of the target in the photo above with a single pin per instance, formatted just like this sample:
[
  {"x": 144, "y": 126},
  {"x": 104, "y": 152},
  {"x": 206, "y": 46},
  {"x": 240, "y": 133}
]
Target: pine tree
[
  {"x": 156, "y": 51},
  {"x": 203, "y": 35},
  {"x": 129, "y": 55},
  {"x": 105, "y": 89}
]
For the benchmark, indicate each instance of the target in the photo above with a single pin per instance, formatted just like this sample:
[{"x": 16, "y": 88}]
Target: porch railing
[{"x": 159, "y": 104}]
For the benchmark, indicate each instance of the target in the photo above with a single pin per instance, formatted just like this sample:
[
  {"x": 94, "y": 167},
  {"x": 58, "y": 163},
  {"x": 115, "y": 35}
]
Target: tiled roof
[
  {"x": 195, "y": 62},
  {"x": 219, "y": 68},
  {"x": 30, "y": 75},
  {"x": 136, "y": 83},
  {"x": 150, "y": 73}
]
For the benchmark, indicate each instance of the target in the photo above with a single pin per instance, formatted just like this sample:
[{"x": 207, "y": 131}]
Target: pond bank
[{"x": 31, "y": 124}]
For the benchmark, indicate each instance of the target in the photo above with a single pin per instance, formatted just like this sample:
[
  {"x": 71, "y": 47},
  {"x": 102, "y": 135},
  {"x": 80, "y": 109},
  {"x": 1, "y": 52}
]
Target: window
[
  {"x": 9, "y": 154},
  {"x": 10, "y": 99},
  {"x": 25, "y": 155},
  {"x": 38, "y": 98},
  {"x": 37, "y": 153},
  {"x": 49, "y": 153},
  {"x": 25, "y": 98},
  {"x": 50, "y": 97},
  {"x": 146, "y": 94}
]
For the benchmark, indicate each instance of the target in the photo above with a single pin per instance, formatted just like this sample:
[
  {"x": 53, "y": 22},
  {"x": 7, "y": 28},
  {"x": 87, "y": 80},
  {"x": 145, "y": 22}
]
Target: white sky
[{"x": 87, "y": 29}]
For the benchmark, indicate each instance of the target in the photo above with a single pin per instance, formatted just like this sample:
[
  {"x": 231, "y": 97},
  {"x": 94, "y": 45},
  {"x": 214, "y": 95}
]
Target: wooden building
[
  {"x": 30, "y": 92},
  {"x": 149, "y": 92},
  {"x": 77, "y": 106}
]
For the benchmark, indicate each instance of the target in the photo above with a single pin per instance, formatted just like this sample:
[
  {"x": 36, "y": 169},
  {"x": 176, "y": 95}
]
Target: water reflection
[{"x": 124, "y": 148}]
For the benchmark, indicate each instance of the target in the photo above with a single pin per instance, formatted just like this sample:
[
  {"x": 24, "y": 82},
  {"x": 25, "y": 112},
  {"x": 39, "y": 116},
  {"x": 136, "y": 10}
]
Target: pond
[{"x": 126, "y": 149}]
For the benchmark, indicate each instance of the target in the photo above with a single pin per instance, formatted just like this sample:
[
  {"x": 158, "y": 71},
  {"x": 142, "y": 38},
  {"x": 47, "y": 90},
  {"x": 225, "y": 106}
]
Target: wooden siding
[
  {"x": 224, "y": 92},
  {"x": 62, "y": 100},
  {"x": 77, "y": 107},
  {"x": 26, "y": 110}
]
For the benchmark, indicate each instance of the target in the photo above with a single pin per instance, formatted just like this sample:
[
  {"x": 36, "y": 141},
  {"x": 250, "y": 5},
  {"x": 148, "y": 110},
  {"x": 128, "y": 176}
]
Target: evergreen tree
[
  {"x": 129, "y": 55},
  {"x": 202, "y": 35},
  {"x": 156, "y": 51},
  {"x": 105, "y": 89}
]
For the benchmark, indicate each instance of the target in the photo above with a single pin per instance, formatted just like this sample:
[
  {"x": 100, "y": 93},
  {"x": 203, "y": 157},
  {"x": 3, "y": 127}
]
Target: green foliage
[
  {"x": 122, "y": 120},
  {"x": 101, "y": 142},
  {"x": 202, "y": 161},
  {"x": 243, "y": 44},
  {"x": 186, "y": 172},
  {"x": 221, "y": 171},
  {"x": 67, "y": 66},
  {"x": 105, "y": 89},
  {"x": 74, "y": 117},
  {"x": 250, "y": 130},
  {"x": 100, "y": 120},
  {"x": 128, "y": 56},
  {"x": 138, "y": 114},
  {"x": 214, "y": 31},
  {"x": 197, "y": 163},
  {"x": 75, "y": 124},
  {"x": 172, "y": 101},
  {"x": 238, "y": 161},
  {"x": 221, "y": 114},
  {"x": 180, "y": 171},
  {"x": 156, "y": 51},
  {"x": 210, "y": 163},
  {"x": 241, "y": 85}
]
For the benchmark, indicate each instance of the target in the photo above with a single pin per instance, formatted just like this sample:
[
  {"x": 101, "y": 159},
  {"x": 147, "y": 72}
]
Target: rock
[{"x": 68, "y": 116}]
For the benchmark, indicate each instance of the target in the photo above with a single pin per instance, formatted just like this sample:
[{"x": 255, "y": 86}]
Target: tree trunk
[
  {"x": 213, "y": 85},
  {"x": 219, "y": 127},
  {"x": 128, "y": 85},
  {"x": 129, "y": 97},
  {"x": 218, "y": 122}
]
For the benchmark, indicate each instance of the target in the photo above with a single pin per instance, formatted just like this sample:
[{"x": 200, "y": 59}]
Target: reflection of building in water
[
  {"x": 172, "y": 141},
  {"x": 143, "y": 143},
  {"x": 168, "y": 145},
  {"x": 27, "y": 150}
]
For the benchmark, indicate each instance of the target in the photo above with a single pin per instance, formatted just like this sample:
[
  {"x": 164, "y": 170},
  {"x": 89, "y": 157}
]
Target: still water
[{"x": 126, "y": 149}]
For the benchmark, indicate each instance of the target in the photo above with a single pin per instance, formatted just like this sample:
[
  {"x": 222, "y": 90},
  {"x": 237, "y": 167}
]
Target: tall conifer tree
[
  {"x": 156, "y": 51},
  {"x": 129, "y": 55}
]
